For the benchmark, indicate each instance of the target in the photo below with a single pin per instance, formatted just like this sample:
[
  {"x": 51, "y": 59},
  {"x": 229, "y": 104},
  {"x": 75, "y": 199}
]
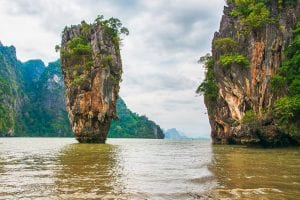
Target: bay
[{"x": 60, "y": 168}]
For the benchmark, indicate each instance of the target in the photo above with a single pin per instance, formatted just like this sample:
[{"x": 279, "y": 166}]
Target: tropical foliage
[
  {"x": 208, "y": 87},
  {"x": 228, "y": 48},
  {"x": 78, "y": 51},
  {"x": 131, "y": 125},
  {"x": 288, "y": 108},
  {"x": 9, "y": 89},
  {"x": 235, "y": 59},
  {"x": 112, "y": 28},
  {"x": 225, "y": 45},
  {"x": 253, "y": 14},
  {"x": 250, "y": 118}
]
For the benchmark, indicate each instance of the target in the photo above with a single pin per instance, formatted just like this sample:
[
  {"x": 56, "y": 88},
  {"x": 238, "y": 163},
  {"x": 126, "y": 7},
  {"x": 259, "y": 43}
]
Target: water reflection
[
  {"x": 89, "y": 171},
  {"x": 245, "y": 173},
  {"x": 162, "y": 169},
  {"x": 2, "y": 171}
]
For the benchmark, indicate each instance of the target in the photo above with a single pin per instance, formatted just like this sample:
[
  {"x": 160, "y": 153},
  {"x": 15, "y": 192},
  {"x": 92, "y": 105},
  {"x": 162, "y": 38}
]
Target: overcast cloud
[{"x": 159, "y": 56}]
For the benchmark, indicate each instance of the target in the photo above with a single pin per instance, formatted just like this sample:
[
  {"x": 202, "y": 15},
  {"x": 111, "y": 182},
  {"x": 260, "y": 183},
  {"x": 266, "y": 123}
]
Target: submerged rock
[{"x": 92, "y": 69}]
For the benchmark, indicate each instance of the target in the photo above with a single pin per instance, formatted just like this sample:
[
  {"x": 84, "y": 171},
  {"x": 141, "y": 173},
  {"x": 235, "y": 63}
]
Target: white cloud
[{"x": 159, "y": 56}]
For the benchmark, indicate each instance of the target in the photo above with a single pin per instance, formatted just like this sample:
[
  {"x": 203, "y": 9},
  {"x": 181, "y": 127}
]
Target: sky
[{"x": 160, "y": 55}]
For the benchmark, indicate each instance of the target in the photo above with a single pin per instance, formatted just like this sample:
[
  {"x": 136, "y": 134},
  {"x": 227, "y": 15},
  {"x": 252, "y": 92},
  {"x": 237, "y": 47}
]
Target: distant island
[{"x": 173, "y": 133}]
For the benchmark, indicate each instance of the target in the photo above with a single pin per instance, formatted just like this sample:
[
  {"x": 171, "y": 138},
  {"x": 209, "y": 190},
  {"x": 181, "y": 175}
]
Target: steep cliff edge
[
  {"x": 92, "y": 69},
  {"x": 246, "y": 79}
]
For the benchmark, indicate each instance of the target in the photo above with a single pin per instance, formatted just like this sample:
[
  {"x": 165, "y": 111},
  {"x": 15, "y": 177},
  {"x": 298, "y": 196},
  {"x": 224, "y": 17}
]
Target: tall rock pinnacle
[{"x": 92, "y": 69}]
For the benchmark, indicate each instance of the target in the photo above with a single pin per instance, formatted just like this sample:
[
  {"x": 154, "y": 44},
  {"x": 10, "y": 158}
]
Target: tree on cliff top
[{"x": 112, "y": 27}]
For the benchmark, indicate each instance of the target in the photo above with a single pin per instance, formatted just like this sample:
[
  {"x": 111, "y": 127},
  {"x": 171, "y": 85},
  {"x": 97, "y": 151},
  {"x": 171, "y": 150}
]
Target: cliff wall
[{"x": 247, "y": 53}]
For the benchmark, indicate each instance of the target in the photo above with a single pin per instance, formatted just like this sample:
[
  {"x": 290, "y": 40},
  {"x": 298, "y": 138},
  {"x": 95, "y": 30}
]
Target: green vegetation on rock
[
  {"x": 208, "y": 87},
  {"x": 112, "y": 28},
  {"x": 78, "y": 50},
  {"x": 228, "y": 48},
  {"x": 253, "y": 14},
  {"x": 226, "y": 45},
  {"x": 10, "y": 89},
  {"x": 287, "y": 108},
  {"x": 235, "y": 59},
  {"x": 250, "y": 118},
  {"x": 278, "y": 83}
]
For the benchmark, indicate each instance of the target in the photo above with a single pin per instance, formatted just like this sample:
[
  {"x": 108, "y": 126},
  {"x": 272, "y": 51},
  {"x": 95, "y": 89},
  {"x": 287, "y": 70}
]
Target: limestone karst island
[
  {"x": 150, "y": 99},
  {"x": 252, "y": 84},
  {"x": 92, "y": 68}
]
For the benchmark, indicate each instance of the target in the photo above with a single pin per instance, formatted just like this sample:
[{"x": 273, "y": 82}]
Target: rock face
[
  {"x": 92, "y": 69},
  {"x": 241, "y": 89}
]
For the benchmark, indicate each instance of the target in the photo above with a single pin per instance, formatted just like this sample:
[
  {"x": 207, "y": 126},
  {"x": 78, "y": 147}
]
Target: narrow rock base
[
  {"x": 92, "y": 132},
  {"x": 92, "y": 140}
]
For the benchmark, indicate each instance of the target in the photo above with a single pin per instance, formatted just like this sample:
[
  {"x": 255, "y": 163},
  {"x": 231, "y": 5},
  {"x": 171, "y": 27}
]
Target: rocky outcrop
[
  {"x": 247, "y": 88},
  {"x": 92, "y": 69}
]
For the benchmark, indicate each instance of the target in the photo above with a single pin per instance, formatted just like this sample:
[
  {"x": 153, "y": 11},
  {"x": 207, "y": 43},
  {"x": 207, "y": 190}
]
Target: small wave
[
  {"x": 203, "y": 179},
  {"x": 218, "y": 194},
  {"x": 239, "y": 193}
]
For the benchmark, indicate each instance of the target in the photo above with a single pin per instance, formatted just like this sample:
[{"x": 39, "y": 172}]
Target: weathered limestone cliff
[
  {"x": 246, "y": 53},
  {"x": 92, "y": 68}
]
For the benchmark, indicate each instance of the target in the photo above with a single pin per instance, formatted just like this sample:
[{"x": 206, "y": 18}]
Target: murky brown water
[
  {"x": 46, "y": 168},
  {"x": 249, "y": 173}
]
